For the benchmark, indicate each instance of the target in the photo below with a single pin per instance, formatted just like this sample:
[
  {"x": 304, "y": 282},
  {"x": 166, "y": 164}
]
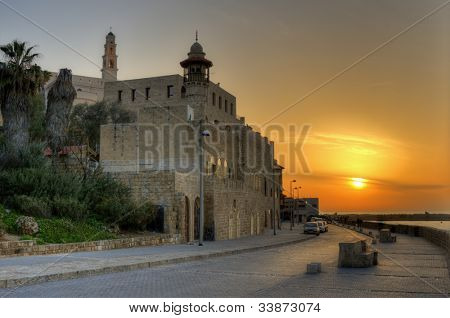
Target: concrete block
[{"x": 356, "y": 253}]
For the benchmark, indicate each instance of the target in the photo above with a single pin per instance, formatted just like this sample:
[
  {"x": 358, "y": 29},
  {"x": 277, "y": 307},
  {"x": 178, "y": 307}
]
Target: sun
[{"x": 358, "y": 183}]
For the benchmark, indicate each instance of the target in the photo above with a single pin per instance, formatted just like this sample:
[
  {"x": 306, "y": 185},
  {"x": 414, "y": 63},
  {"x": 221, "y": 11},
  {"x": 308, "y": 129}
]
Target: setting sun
[{"x": 358, "y": 183}]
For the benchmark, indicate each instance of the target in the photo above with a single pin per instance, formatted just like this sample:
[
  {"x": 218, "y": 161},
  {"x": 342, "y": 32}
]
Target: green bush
[
  {"x": 30, "y": 157},
  {"x": 69, "y": 208},
  {"x": 8, "y": 220},
  {"x": 26, "y": 238},
  {"x": 142, "y": 218},
  {"x": 32, "y": 206},
  {"x": 2, "y": 228},
  {"x": 63, "y": 230},
  {"x": 107, "y": 199},
  {"x": 43, "y": 182},
  {"x": 97, "y": 196}
]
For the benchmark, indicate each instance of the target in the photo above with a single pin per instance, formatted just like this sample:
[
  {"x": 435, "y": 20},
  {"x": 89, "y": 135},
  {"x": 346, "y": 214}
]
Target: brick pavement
[{"x": 412, "y": 267}]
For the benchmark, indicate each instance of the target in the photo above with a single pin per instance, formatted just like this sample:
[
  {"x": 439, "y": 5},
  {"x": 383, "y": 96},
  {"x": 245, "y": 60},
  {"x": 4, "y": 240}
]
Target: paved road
[{"x": 410, "y": 268}]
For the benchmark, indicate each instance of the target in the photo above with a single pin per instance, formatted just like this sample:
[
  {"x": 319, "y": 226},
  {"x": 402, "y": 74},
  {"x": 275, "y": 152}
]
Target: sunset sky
[{"x": 385, "y": 121}]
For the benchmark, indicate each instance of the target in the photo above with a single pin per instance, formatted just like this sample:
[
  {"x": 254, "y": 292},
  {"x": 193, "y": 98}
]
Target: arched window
[{"x": 214, "y": 99}]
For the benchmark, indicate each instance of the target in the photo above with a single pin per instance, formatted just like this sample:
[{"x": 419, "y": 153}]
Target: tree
[
  {"x": 85, "y": 121},
  {"x": 59, "y": 105},
  {"x": 20, "y": 80}
]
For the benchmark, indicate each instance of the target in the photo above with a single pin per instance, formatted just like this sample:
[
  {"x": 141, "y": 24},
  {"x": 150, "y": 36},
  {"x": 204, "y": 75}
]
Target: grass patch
[{"x": 59, "y": 230}]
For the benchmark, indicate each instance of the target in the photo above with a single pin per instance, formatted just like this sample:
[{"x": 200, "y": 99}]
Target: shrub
[
  {"x": 27, "y": 225},
  {"x": 44, "y": 182},
  {"x": 69, "y": 207},
  {"x": 141, "y": 218},
  {"x": 31, "y": 156},
  {"x": 63, "y": 230},
  {"x": 107, "y": 199},
  {"x": 8, "y": 220},
  {"x": 2, "y": 228},
  {"x": 44, "y": 191},
  {"x": 32, "y": 206}
]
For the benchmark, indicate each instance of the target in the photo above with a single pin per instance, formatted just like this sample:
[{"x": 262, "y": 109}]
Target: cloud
[
  {"x": 355, "y": 144},
  {"x": 334, "y": 179}
]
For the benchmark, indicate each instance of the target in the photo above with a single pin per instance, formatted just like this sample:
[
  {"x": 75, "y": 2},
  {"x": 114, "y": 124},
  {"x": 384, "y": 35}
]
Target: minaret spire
[{"x": 196, "y": 35}]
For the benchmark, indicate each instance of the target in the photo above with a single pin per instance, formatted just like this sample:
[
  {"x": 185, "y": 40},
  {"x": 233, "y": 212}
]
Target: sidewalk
[{"x": 27, "y": 270}]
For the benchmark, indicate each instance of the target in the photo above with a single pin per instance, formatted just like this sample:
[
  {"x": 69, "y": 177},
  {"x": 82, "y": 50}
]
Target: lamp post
[
  {"x": 295, "y": 204},
  {"x": 202, "y": 134},
  {"x": 292, "y": 196},
  {"x": 298, "y": 198}
]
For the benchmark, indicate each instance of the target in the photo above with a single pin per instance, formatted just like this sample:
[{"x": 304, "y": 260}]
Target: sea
[{"x": 443, "y": 225}]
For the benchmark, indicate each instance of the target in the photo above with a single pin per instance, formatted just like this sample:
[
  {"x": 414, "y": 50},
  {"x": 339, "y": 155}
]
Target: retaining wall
[{"x": 29, "y": 247}]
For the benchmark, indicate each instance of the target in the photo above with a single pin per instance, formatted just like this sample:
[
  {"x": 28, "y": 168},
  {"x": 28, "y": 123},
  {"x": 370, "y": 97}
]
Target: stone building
[
  {"x": 158, "y": 156},
  {"x": 302, "y": 209}
]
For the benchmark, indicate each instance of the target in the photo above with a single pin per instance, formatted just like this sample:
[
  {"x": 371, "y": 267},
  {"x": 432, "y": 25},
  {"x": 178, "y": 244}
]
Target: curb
[{"x": 18, "y": 282}]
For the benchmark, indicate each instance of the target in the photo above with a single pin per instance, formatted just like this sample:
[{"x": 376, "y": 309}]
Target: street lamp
[
  {"x": 292, "y": 210},
  {"x": 295, "y": 204},
  {"x": 273, "y": 194},
  {"x": 298, "y": 198},
  {"x": 202, "y": 134}
]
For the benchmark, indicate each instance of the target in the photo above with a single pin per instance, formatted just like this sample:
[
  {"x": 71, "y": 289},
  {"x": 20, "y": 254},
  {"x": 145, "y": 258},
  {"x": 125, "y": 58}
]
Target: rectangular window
[
  {"x": 226, "y": 106},
  {"x": 133, "y": 95},
  {"x": 147, "y": 93},
  {"x": 232, "y": 109},
  {"x": 169, "y": 91},
  {"x": 119, "y": 96},
  {"x": 214, "y": 99},
  {"x": 220, "y": 102}
]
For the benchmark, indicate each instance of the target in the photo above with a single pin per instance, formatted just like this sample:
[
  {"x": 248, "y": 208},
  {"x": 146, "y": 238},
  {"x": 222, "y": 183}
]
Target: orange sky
[{"x": 386, "y": 120}]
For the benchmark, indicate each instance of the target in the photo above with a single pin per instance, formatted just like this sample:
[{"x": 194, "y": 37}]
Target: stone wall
[
  {"x": 436, "y": 236},
  {"x": 29, "y": 247}
]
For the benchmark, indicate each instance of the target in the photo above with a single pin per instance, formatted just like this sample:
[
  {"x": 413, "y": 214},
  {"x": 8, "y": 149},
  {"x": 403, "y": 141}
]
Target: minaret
[
  {"x": 109, "y": 70},
  {"x": 196, "y": 70}
]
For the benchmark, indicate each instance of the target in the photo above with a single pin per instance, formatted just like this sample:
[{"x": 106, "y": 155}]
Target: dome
[
  {"x": 196, "y": 48},
  {"x": 196, "y": 56}
]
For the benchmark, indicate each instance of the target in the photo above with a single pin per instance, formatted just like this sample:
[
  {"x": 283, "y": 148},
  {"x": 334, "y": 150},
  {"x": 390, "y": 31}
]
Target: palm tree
[{"x": 20, "y": 80}]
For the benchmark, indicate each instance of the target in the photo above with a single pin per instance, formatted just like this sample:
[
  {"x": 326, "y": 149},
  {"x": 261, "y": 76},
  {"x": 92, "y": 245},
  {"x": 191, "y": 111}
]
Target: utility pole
[
  {"x": 298, "y": 194},
  {"x": 202, "y": 134},
  {"x": 273, "y": 194}
]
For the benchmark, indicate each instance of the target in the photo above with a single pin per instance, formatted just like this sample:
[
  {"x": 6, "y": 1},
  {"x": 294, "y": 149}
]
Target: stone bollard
[
  {"x": 314, "y": 268},
  {"x": 375, "y": 258},
  {"x": 386, "y": 237}
]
